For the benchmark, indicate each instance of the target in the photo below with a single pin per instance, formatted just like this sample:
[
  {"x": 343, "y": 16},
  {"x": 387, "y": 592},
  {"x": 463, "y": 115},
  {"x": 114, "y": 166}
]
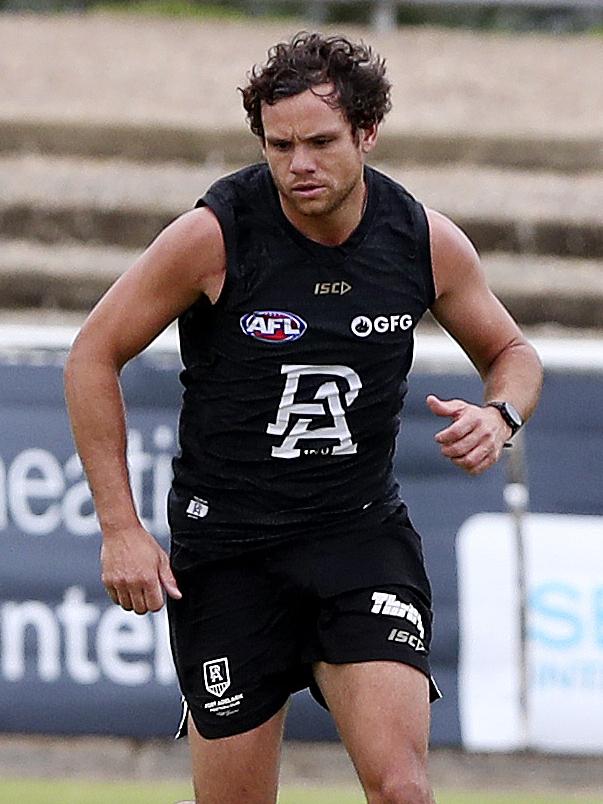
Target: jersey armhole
[
  {"x": 424, "y": 254},
  {"x": 225, "y": 217}
]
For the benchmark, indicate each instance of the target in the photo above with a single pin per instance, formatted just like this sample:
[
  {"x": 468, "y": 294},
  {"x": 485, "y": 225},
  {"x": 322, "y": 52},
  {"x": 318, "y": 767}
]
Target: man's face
[{"x": 314, "y": 159}]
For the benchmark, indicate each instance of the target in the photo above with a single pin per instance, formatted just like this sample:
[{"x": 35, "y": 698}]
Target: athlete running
[{"x": 298, "y": 284}]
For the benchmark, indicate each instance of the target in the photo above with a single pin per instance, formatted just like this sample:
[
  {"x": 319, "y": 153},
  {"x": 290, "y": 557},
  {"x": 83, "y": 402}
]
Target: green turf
[
  {"x": 307, "y": 795},
  {"x": 54, "y": 792},
  {"x": 332, "y": 796},
  {"x": 170, "y": 8},
  {"x": 514, "y": 798}
]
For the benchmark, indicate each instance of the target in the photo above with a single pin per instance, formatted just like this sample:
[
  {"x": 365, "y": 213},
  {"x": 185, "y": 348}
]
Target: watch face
[
  {"x": 515, "y": 419},
  {"x": 509, "y": 414}
]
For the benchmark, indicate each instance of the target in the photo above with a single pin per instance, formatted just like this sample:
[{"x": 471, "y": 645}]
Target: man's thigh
[
  {"x": 241, "y": 768},
  {"x": 381, "y": 709},
  {"x": 233, "y": 638}
]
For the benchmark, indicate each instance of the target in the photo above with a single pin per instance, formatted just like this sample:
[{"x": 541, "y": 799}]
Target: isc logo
[
  {"x": 336, "y": 288},
  {"x": 272, "y": 325}
]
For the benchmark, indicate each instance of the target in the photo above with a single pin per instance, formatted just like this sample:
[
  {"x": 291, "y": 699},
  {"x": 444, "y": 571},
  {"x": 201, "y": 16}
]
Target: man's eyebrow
[{"x": 327, "y": 134}]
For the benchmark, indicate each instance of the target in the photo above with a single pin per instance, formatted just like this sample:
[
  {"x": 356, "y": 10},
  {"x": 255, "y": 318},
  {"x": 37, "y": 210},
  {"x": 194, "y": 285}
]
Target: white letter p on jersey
[{"x": 328, "y": 399}]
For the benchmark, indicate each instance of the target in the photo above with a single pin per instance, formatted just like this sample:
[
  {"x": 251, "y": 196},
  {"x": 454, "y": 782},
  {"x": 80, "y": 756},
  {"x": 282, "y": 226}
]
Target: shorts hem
[
  {"x": 422, "y": 667},
  {"x": 230, "y": 728}
]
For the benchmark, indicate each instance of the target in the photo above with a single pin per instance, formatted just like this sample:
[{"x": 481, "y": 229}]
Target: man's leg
[
  {"x": 237, "y": 769},
  {"x": 381, "y": 709},
  {"x": 233, "y": 645}
]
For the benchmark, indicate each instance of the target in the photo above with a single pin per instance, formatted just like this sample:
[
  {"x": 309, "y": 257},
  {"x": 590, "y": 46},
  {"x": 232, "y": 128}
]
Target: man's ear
[{"x": 368, "y": 138}]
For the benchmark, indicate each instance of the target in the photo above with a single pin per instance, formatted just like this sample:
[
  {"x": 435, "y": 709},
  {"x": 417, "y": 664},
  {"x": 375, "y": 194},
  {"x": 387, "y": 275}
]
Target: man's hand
[
  {"x": 474, "y": 441},
  {"x": 135, "y": 571}
]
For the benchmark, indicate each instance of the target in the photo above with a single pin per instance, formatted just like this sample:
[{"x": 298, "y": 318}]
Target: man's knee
[{"x": 398, "y": 788}]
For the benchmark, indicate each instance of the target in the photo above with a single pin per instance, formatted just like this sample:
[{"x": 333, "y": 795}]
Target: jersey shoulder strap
[
  {"x": 403, "y": 214},
  {"x": 238, "y": 201}
]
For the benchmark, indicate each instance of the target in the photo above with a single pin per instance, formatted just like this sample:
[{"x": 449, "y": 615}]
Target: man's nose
[{"x": 301, "y": 160}]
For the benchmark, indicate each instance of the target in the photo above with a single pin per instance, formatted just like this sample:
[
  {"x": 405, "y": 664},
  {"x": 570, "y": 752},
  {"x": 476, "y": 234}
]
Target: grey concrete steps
[
  {"x": 462, "y": 96},
  {"x": 541, "y": 289},
  {"x": 502, "y": 133},
  {"x": 66, "y": 276},
  {"x": 124, "y": 203},
  {"x": 72, "y": 277},
  {"x": 184, "y": 72},
  {"x": 160, "y": 142}
]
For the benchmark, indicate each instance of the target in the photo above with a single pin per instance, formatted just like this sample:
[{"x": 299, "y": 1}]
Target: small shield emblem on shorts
[{"x": 217, "y": 676}]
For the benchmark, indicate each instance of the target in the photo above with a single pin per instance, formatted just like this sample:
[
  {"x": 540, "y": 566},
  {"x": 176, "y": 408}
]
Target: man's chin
[{"x": 312, "y": 207}]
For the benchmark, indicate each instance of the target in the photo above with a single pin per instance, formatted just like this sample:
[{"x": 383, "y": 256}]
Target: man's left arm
[{"x": 508, "y": 365}]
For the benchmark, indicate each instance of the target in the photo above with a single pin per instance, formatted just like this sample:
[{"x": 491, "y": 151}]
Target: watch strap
[{"x": 508, "y": 413}]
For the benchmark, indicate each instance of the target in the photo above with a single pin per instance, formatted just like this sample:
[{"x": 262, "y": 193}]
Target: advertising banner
[
  {"x": 70, "y": 661},
  {"x": 73, "y": 663},
  {"x": 564, "y": 638}
]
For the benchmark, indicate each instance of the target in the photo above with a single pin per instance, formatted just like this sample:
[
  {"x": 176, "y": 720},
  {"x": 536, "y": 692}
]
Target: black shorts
[{"x": 248, "y": 629}]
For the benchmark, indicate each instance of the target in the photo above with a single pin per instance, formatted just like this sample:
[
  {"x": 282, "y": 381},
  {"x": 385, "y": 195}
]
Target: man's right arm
[{"x": 185, "y": 261}]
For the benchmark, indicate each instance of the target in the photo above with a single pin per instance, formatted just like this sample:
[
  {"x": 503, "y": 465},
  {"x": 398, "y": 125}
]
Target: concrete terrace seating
[{"x": 97, "y": 155}]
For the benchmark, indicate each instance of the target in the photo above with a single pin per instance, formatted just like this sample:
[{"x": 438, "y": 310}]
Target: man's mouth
[{"x": 307, "y": 190}]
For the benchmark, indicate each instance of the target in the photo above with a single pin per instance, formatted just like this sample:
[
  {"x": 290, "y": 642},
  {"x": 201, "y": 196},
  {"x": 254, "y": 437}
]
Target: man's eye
[
  {"x": 321, "y": 142},
  {"x": 280, "y": 146}
]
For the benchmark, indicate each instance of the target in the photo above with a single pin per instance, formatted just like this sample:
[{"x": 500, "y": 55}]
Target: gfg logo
[{"x": 363, "y": 326}]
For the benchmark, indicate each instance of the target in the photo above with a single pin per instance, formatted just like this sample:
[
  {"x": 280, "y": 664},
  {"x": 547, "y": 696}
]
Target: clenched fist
[{"x": 474, "y": 440}]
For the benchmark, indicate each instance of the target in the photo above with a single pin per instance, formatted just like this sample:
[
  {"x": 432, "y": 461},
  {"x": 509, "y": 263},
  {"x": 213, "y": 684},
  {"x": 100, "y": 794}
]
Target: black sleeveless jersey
[{"x": 295, "y": 378}]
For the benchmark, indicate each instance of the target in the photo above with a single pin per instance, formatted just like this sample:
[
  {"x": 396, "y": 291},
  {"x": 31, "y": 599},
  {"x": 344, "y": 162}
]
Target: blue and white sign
[
  {"x": 564, "y": 647},
  {"x": 73, "y": 663}
]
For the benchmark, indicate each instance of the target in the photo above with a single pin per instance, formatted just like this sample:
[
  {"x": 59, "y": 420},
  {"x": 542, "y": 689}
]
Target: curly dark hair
[{"x": 357, "y": 74}]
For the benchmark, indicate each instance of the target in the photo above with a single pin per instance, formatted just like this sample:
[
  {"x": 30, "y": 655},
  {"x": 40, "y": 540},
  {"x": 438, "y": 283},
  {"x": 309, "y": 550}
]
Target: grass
[
  {"x": 171, "y": 8},
  {"x": 510, "y": 21},
  {"x": 514, "y": 798},
  {"x": 62, "y": 792}
]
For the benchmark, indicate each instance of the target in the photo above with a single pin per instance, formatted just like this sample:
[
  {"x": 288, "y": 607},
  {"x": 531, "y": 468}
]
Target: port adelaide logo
[
  {"x": 216, "y": 674},
  {"x": 273, "y": 326}
]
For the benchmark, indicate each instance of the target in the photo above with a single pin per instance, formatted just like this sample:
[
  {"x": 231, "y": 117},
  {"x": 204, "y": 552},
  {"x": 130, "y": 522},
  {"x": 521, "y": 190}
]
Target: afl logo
[{"x": 273, "y": 326}]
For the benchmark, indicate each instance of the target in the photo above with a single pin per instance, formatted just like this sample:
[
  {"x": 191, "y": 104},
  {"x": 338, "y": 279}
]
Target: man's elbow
[
  {"x": 88, "y": 354},
  {"x": 520, "y": 348},
  {"x": 526, "y": 360},
  {"x": 78, "y": 359},
  {"x": 531, "y": 356}
]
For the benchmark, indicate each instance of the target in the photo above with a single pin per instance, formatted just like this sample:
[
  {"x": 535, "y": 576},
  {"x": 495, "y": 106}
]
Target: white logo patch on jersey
[
  {"x": 328, "y": 401},
  {"x": 197, "y": 508},
  {"x": 362, "y": 326},
  {"x": 273, "y": 326}
]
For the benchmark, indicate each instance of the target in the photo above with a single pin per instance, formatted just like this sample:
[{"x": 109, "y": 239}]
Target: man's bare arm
[
  {"x": 508, "y": 365},
  {"x": 184, "y": 262}
]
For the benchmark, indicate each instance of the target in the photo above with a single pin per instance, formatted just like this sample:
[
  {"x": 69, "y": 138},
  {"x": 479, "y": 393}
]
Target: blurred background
[{"x": 114, "y": 118}]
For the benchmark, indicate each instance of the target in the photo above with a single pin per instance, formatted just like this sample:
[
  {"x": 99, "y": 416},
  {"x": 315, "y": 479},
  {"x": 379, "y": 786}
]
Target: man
[{"x": 297, "y": 285}]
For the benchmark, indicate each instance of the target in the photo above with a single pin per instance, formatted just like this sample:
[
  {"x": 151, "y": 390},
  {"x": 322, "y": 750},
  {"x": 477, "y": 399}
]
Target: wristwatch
[{"x": 509, "y": 414}]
